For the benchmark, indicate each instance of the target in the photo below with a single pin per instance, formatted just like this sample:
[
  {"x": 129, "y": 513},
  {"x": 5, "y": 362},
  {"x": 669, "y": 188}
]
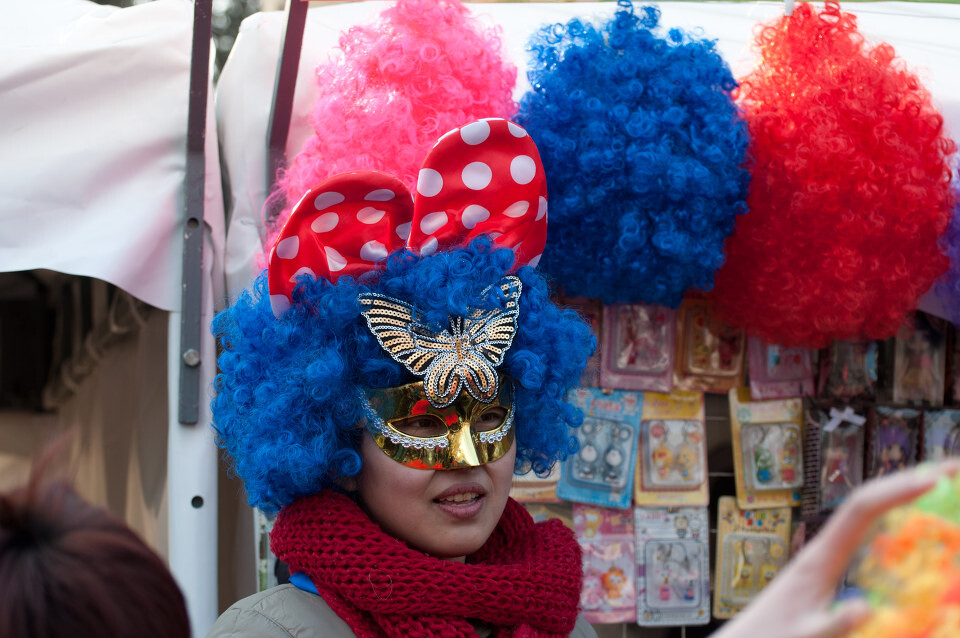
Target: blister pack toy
[
  {"x": 673, "y": 566},
  {"x": 837, "y": 433},
  {"x": 919, "y": 362},
  {"x": 602, "y": 471},
  {"x": 638, "y": 346},
  {"x": 767, "y": 440},
  {"x": 848, "y": 370},
  {"x": 530, "y": 488},
  {"x": 672, "y": 464},
  {"x": 609, "y": 592},
  {"x": 941, "y": 434},
  {"x": 893, "y": 435},
  {"x": 777, "y": 372},
  {"x": 752, "y": 548},
  {"x": 710, "y": 354}
]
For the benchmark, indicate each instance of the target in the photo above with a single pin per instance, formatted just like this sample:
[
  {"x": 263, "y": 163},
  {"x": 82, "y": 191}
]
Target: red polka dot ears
[{"x": 484, "y": 178}]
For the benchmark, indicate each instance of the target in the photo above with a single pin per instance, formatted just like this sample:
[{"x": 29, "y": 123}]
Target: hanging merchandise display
[
  {"x": 941, "y": 434},
  {"x": 835, "y": 435},
  {"x": 894, "y": 434},
  {"x": 767, "y": 441},
  {"x": 602, "y": 470},
  {"x": 644, "y": 150},
  {"x": 609, "y": 577},
  {"x": 919, "y": 362},
  {"x": 673, "y": 566},
  {"x": 391, "y": 89},
  {"x": 850, "y": 187},
  {"x": 752, "y": 548},
  {"x": 777, "y": 373},
  {"x": 709, "y": 353},
  {"x": 672, "y": 464},
  {"x": 848, "y": 370},
  {"x": 638, "y": 345}
]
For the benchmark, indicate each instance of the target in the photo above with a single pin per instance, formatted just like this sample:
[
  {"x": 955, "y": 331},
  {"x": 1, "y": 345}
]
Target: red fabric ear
[
  {"x": 482, "y": 178},
  {"x": 344, "y": 226}
]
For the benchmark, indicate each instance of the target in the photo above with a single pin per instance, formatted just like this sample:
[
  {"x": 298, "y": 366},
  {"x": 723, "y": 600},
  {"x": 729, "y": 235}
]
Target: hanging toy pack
[
  {"x": 609, "y": 585},
  {"x": 848, "y": 370},
  {"x": 836, "y": 432},
  {"x": 710, "y": 353},
  {"x": 637, "y": 352},
  {"x": 673, "y": 566},
  {"x": 602, "y": 470},
  {"x": 777, "y": 373},
  {"x": 767, "y": 440},
  {"x": 752, "y": 548},
  {"x": 672, "y": 465},
  {"x": 919, "y": 362},
  {"x": 894, "y": 434},
  {"x": 941, "y": 434}
]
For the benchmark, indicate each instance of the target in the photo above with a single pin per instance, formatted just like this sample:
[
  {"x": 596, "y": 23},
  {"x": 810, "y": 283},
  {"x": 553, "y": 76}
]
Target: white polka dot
[
  {"x": 473, "y": 215},
  {"x": 433, "y": 222},
  {"x": 288, "y": 248},
  {"x": 403, "y": 231},
  {"x": 279, "y": 304},
  {"x": 523, "y": 169},
  {"x": 373, "y": 251},
  {"x": 542, "y": 209},
  {"x": 476, "y": 176},
  {"x": 325, "y": 223},
  {"x": 380, "y": 195},
  {"x": 517, "y": 209},
  {"x": 429, "y": 247},
  {"x": 429, "y": 182},
  {"x": 370, "y": 215},
  {"x": 536, "y": 260},
  {"x": 475, "y": 133},
  {"x": 335, "y": 260},
  {"x": 328, "y": 199},
  {"x": 302, "y": 271},
  {"x": 515, "y": 130}
]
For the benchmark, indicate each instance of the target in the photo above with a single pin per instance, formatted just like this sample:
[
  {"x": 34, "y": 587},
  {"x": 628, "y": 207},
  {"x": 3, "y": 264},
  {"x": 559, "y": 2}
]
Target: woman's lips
[{"x": 461, "y": 501}]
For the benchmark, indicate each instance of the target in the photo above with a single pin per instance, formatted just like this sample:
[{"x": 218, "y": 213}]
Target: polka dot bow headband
[{"x": 484, "y": 178}]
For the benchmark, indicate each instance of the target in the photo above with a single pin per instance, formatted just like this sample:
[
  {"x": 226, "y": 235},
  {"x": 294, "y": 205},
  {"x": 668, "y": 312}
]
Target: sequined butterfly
[{"x": 465, "y": 355}]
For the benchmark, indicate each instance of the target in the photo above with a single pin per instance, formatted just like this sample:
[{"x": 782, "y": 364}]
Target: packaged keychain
[
  {"x": 672, "y": 464},
  {"x": 941, "y": 434},
  {"x": 778, "y": 373},
  {"x": 894, "y": 433},
  {"x": 919, "y": 362},
  {"x": 752, "y": 548},
  {"x": 848, "y": 370},
  {"x": 637, "y": 352},
  {"x": 592, "y": 311},
  {"x": 710, "y": 353},
  {"x": 767, "y": 439},
  {"x": 602, "y": 470},
  {"x": 837, "y": 432},
  {"x": 530, "y": 488},
  {"x": 609, "y": 592},
  {"x": 673, "y": 566}
]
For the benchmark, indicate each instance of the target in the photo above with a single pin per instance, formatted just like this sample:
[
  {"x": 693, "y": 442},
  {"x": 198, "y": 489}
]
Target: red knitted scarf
[{"x": 525, "y": 581}]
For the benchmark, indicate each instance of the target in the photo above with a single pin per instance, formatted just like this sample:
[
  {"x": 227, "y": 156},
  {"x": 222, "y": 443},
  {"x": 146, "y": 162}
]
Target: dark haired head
[{"x": 72, "y": 570}]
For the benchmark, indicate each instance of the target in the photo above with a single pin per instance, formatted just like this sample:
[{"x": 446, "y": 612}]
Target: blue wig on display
[
  {"x": 643, "y": 149},
  {"x": 298, "y": 350}
]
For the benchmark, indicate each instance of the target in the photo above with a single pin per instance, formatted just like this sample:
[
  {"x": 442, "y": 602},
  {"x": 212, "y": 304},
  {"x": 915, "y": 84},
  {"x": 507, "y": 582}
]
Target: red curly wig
[{"x": 850, "y": 188}]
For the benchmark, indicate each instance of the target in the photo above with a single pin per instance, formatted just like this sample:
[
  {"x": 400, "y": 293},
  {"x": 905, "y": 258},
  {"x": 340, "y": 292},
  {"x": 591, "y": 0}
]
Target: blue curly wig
[
  {"x": 287, "y": 409},
  {"x": 643, "y": 148}
]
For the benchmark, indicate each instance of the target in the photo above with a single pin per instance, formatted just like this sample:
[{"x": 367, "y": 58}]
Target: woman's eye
[
  {"x": 491, "y": 419},
  {"x": 420, "y": 426}
]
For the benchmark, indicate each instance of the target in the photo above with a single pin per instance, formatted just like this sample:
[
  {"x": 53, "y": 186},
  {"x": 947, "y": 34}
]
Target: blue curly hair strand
[
  {"x": 643, "y": 149},
  {"x": 287, "y": 406}
]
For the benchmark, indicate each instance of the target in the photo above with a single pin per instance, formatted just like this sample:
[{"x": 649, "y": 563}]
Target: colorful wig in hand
[
  {"x": 423, "y": 68},
  {"x": 849, "y": 192},
  {"x": 643, "y": 149}
]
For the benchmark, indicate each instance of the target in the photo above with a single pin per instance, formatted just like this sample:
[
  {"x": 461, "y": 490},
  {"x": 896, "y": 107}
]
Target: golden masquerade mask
[{"x": 411, "y": 430}]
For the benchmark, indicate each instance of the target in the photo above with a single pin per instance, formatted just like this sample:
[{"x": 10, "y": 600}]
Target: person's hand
[{"x": 799, "y": 602}]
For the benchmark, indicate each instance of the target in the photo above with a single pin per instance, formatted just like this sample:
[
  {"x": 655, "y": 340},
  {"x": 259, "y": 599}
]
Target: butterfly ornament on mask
[{"x": 485, "y": 178}]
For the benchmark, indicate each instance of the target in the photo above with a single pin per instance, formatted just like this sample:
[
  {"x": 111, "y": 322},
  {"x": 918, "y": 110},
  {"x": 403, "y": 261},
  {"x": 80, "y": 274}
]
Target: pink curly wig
[
  {"x": 850, "y": 188},
  {"x": 421, "y": 69}
]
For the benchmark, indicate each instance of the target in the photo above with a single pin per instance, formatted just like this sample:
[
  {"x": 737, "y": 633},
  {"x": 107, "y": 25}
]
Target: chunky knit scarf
[{"x": 525, "y": 581}]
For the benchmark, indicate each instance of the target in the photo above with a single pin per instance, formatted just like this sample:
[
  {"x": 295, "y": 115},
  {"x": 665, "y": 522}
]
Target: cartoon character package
[
  {"x": 941, "y": 434},
  {"x": 894, "y": 434},
  {"x": 637, "y": 352},
  {"x": 609, "y": 592},
  {"x": 777, "y": 372},
  {"x": 710, "y": 353},
  {"x": 836, "y": 433}
]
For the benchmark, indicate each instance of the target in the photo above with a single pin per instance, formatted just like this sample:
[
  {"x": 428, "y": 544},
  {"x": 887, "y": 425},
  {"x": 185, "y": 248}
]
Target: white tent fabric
[
  {"x": 923, "y": 34},
  {"x": 93, "y": 127}
]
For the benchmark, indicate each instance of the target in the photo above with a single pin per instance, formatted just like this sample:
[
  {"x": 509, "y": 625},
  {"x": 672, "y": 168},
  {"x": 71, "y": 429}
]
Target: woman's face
[{"x": 446, "y": 513}]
